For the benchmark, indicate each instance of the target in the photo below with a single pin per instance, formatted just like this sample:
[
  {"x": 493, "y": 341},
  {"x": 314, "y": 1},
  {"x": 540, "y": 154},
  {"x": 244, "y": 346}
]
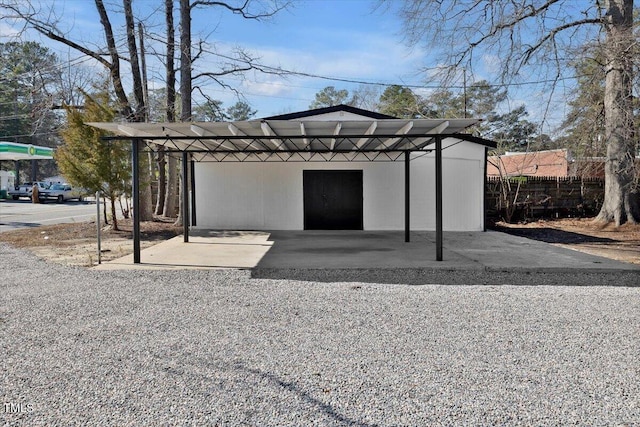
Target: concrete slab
[
  {"x": 205, "y": 250},
  {"x": 383, "y": 257},
  {"x": 387, "y": 249}
]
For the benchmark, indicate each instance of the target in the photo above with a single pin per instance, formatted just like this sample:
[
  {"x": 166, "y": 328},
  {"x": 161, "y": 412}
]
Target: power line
[{"x": 382, "y": 84}]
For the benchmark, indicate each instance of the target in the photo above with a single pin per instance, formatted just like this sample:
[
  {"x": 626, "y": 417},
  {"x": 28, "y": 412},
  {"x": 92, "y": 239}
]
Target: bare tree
[
  {"x": 240, "y": 62},
  {"x": 139, "y": 113},
  {"x": 238, "y": 65},
  {"x": 45, "y": 24},
  {"x": 620, "y": 198},
  {"x": 544, "y": 35},
  {"x": 165, "y": 191},
  {"x": 169, "y": 208}
]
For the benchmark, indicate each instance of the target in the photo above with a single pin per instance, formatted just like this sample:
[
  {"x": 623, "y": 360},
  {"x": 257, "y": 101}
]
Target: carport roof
[{"x": 210, "y": 140}]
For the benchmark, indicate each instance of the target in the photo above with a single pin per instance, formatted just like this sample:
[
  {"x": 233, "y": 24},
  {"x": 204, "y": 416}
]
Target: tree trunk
[
  {"x": 185, "y": 60},
  {"x": 172, "y": 188},
  {"x": 104, "y": 210},
  {"x": 112, "y": 199},
  {"x": 180, "y": 201},
  {"x": 114, "y": 65},
  {"x": 620, "y": 198},
  {"x": 146, "y": 202},
  {"x": 162, "y": 181},
  {"x": 136, "y": 75},
  {"x": 164, "y": 188},
  {"x": 185, "y": 75}
]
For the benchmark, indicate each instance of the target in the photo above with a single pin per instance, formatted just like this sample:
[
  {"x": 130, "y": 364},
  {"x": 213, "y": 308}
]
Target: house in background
[
  {"x": 556, "y": 163},
  {"x": 559, "y": 163}
]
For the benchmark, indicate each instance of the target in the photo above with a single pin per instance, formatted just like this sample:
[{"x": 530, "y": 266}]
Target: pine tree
[{"x": 88, "y": 161}]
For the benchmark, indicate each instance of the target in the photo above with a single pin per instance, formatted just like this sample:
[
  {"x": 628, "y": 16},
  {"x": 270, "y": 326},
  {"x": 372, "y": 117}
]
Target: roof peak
[{"x": 327, "y": 110}]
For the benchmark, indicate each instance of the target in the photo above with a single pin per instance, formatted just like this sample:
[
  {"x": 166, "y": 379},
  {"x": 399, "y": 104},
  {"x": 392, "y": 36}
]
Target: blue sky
[{"x": 346, "y": 39}]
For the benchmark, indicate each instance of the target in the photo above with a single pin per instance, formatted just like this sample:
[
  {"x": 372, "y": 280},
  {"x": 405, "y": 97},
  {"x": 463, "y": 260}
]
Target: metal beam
[
  {"x": 438, "y": 198},
  {"x": 303, "y": 132},
  {"x": 185, "y": 196},
  {"x": 336, "y": 132},
  {"x": 135, "y": 193},
  {"x": 401, "y": 132},
  {"x": 278, "y": 142},
  {"x": 204, "y": 133},
  {"x": 238, "y": 133},
  {"x": 418, "y": 142},
  {"x": 351, "y": 136},
  {"x": 365, "y": 139}
]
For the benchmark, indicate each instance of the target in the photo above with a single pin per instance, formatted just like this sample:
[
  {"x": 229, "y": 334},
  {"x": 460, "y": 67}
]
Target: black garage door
[{"x": 332, "y": 199}]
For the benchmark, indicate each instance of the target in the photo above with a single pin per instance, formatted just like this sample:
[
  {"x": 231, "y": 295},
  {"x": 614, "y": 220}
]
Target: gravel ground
[{"x": 81, "y": 347}]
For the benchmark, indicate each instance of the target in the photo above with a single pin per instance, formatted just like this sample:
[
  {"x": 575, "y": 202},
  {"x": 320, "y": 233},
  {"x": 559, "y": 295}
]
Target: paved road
[{"x": 22, "y": 213}]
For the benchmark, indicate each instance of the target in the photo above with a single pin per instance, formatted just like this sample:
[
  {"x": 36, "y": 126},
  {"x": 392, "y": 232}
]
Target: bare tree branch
[
  {"x": 242, "y": 10},
  {"x": 114, "y": 65}
]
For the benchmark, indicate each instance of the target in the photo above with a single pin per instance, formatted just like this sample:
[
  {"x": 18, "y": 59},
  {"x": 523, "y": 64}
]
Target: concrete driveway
[{"x": 383, "y": 257}]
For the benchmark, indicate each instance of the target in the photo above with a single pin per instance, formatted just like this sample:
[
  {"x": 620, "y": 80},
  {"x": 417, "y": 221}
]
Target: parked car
[
  {"x": 60, "y": 193},
  {"x": 25, "y": 189}
]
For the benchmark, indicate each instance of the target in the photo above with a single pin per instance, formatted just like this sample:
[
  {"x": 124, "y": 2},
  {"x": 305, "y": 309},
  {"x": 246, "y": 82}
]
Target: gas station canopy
[{"x": 15, "y": 151}]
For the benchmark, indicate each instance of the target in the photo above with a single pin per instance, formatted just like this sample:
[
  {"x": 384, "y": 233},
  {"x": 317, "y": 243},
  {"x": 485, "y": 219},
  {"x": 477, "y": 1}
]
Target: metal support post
[
  {"x": 135, "y": 193},
  {"x": 98, "y": 226},
  {"x": 185, "y": 195},
  {"x": 438, "y": 198},
  {"x": 407, "y": 195},
  {"x": 484, "y": 191},
  {"x": 193, "y": 192}
]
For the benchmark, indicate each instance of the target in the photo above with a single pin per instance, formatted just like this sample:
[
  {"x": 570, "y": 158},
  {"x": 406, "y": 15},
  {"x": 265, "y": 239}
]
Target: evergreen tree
[
  {"x": 399, "y": 101},
  {"x": 240, "y": 111},
  {"x": 329, "y": 96},
  {"x": 88, "y": 161}
]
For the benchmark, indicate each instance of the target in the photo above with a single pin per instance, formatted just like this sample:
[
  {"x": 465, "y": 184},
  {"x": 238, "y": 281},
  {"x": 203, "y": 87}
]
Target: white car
[
  {"x": 60, "y": 193},
  {"x": 25, "y": 190}
]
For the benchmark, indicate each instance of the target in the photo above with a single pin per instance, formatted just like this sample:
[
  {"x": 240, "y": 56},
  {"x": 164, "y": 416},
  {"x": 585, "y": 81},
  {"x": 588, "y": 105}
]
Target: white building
[
  {"x": 340, "y": 194},
  {"x": 332, "y": 168}
]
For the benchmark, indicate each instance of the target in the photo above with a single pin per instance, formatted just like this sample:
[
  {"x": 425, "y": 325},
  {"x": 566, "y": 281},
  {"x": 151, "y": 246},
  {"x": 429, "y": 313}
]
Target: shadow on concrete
[{"x": 473, "y": 258}]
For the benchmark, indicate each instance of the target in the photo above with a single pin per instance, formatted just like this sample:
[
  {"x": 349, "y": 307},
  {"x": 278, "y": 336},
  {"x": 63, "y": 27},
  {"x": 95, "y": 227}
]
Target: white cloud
[
  {"x": 8, "y": 31},
  {"x": 267, "y": 88},
  {"x": 491, "y": 63}
]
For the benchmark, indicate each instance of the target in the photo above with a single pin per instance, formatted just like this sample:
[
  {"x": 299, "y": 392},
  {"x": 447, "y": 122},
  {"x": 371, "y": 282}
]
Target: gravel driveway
[{"x": 81, "y": 347}]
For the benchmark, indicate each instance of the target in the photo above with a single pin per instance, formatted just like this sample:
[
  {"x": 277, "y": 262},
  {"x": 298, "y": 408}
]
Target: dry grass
[{"x": 76, "y": 243}]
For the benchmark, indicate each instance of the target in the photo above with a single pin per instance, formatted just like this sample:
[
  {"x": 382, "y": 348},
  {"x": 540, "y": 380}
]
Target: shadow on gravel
[
  {"x": 292, "y": 387},
  {"x": 552, "y": 235}
]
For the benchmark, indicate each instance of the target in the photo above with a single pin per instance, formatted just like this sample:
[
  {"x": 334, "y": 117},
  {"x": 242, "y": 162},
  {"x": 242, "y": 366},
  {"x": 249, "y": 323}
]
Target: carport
[{"x": 376, "y": 138}]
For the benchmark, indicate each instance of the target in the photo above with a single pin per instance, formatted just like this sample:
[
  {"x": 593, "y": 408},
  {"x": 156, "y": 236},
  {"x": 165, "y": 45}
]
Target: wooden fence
[{"x": 525, "y": 197}]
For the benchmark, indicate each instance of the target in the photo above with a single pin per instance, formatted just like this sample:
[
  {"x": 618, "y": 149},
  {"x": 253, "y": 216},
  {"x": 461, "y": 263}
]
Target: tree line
[{"x": 598, "y": 46}]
